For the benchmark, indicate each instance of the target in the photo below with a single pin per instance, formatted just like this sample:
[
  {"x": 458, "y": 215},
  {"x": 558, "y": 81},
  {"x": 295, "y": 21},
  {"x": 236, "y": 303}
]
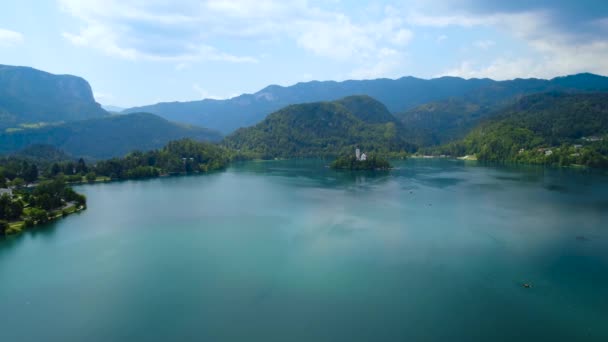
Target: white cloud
[
  {"x": 402, "y": 37},
  {"x": 484, "y": 44},
  {"x": 204, "y": 94},
  {"x": 499, "y": 69},
  {"x": 552, "y": 60},
  {"x": 388, "y": 63},
  {"x": 103, "y": 97},
  {"x": 152, "y": 30},
  {"x": 10, "y": 38},
  {"x": 339, "y": 39},
  {"x": 421, "y": 19},
  {"x": 190, "y": 30},
  {"x": 552, "y": 50}
]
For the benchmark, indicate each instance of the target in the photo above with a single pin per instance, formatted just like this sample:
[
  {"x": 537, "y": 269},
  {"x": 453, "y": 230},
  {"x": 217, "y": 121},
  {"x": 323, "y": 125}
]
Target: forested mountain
[
  {"x": 106, "y": 137},
  {"x": 42, "y": 153},
  {"x": 442, "y": 121},
  {"x": 549, "y": 128},
  {"x": 30, "y": 96},
  {"x": 399, "y": 96},
  {"x": 322, "y": 129}
]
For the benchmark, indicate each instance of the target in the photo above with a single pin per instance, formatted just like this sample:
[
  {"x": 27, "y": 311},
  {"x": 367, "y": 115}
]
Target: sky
[{"x": 137, "y": 52}]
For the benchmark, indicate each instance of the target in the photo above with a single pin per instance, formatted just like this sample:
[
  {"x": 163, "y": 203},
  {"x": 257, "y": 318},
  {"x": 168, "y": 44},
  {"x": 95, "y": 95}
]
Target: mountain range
[
  {"x": 406, "y": 97},
  {"x": 312, "y": 118}
]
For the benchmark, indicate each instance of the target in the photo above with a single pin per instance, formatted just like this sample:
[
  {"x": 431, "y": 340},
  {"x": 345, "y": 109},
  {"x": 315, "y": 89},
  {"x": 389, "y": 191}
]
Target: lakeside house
[
  {"x": 592, "y": 138},
  {"x": 546, "y": 151}
]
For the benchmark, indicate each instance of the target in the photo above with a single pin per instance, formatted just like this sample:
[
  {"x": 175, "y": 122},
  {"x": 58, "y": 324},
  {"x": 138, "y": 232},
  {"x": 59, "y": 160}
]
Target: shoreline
[{"x": 18, "y": 227}]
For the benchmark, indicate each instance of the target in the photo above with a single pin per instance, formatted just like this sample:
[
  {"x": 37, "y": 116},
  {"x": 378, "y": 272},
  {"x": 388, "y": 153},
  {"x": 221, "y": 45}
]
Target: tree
[
  {"x": 31, "y": 173},
  {"x": 81, "y": 167},
  {"x": 3, "y": 227},
  {"x": 55, "y": 169},
  {"x": 4, "y": 206},
  {"x": 17, "y": 182},
  {"x": 39, "y": 215},
  {"x": 91, "y": 176}
]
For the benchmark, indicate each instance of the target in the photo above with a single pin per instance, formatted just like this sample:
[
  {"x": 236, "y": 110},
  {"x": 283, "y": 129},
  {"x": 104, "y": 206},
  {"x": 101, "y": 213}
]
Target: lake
[{"x": 435, "y": 250}]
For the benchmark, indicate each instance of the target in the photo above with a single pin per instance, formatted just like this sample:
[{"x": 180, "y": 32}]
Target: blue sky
[{"x": 136, "y": 52}]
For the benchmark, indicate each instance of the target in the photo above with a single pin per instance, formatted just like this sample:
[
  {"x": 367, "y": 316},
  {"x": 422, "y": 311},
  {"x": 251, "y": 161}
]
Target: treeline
[
  {"x": 18, "y": 171},
  {"x": 182, "y": 156},
  {"x": 350, "y": 162}
]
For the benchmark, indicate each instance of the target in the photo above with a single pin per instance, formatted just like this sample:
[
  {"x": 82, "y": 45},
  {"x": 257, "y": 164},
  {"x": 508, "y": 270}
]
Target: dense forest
[
  {"x": 323, "y": 129},
  {"x": 552, "y": 128},
  {"x": 182, "y": 156}
]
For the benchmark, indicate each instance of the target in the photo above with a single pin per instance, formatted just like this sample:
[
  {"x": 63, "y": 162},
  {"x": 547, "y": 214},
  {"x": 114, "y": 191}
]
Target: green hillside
[
  {"x": 445, "y": 120},
  {"x": 106, "y": 137},
  {"x": 551, "y": 128},
  {"x": 322, "y": 129}
]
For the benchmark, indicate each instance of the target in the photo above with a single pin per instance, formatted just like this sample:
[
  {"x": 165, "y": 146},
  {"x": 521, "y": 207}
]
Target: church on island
[{"x": 360, "y": 156}]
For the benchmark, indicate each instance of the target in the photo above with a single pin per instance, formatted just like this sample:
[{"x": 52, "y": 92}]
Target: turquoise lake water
[{"x": 435, "y": 250}]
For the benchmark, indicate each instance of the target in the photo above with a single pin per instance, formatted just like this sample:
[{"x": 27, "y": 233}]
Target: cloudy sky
[{"x": 136, "y": 52}]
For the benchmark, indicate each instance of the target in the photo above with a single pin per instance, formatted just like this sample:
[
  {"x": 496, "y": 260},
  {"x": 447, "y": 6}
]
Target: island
[{"x": 360, "y": 161}]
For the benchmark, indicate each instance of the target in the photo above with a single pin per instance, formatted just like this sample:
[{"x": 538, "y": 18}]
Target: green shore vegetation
[
  {"x": 553, "y": 129},
  {"x": 26, "y": 207},
  {"x": 350, "y": 162}
]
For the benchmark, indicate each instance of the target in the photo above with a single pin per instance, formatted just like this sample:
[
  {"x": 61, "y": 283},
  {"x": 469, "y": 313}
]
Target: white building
[
  {"x": 363, "y": 157},
  {"x": 358, "y": 154}
]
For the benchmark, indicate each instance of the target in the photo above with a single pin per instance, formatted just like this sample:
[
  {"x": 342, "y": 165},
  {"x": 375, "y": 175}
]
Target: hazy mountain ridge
[
  {"x": 106, "y": 137},
  {"x": 399, "y": 96},
  {"x": 29, "y": 95}
]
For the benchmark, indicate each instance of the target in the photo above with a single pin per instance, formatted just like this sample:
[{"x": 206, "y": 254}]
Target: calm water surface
[{"x": 435, "y": 250}]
